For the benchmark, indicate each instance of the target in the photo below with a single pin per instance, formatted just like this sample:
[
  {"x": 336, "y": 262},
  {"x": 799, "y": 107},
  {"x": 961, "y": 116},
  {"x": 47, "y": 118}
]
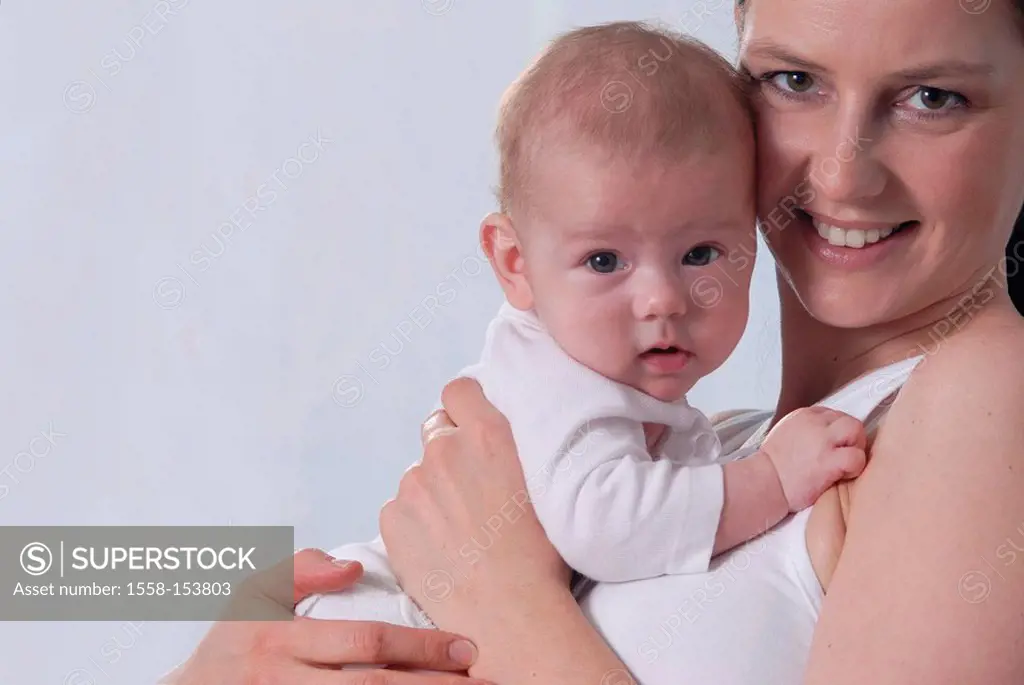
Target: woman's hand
[
  {"x": 467, "y": 546},
  {"x": 462, "y": 534},
  {"x": 308, "y": 651}
]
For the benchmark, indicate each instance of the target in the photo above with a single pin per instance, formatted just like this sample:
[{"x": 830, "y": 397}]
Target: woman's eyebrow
[
  {"x": 948, "y": 68},
  {"x": 769, "y": 48},
  {"x": 764, "y": 47}
]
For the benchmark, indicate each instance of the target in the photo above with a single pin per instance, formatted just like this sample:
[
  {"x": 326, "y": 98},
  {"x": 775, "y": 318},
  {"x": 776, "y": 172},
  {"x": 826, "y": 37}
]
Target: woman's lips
[{"x": 853, "y": 257}]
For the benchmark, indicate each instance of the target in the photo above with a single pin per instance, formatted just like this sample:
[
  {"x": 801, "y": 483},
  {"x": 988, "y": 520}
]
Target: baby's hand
[{"x": 812, "y": 448}]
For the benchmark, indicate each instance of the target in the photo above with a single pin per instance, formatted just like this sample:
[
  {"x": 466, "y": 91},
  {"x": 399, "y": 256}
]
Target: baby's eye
[
  {"x": 701, "y": 255},
  {"x": 603, "y": 262}
]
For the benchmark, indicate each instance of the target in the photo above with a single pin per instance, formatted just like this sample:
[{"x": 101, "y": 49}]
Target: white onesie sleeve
[{"x": 612, "y": 511}]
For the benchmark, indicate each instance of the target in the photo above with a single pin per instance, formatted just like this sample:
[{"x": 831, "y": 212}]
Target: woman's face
[{"x": 891, "y": 146}]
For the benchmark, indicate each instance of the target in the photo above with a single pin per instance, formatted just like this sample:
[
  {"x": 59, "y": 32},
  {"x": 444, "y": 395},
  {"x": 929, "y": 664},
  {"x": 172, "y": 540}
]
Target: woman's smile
[
  {"x": 855, "y": 234},
  {"x": 854, "y": 244}
]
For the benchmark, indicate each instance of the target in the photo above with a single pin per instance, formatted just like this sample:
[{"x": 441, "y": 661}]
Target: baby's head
[{"x": 627, "y": 204}]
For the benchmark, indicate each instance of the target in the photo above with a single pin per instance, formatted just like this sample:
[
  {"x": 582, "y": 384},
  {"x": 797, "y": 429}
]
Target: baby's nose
[{"x": 660, "y": 298}]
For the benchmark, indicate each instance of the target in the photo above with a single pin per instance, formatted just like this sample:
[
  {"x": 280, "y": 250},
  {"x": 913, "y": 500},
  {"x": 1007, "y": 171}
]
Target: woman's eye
[
  {"x": 603, "y": 262},
  {"x": 934, "y": 99},
  {"x": 701, "y": 256},
  {"x": 792, "y": 81}
]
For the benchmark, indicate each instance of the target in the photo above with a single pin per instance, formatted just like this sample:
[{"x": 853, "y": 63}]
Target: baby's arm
[
  {"x": 615, "y": 514},
  {"x": 754, "y": 501},
  {"x": 802, "y": 456}
]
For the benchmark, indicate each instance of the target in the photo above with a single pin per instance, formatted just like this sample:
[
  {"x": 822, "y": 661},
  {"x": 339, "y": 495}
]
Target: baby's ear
[{"x": 501, "y": 244}]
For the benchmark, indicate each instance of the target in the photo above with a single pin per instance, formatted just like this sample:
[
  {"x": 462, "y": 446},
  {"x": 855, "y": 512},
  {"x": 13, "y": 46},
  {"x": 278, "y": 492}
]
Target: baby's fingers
[
  {"x": 846, "y": 431},
  {"x": 850, "y": 461}
]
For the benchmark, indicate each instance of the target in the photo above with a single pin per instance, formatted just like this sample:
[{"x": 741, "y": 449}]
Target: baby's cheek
[
  {"x": 721, "y": 329},
  {"x": 598, "y": 342}
]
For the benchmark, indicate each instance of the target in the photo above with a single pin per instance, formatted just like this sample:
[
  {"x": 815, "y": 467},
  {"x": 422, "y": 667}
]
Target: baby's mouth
[
  {"x": 663, "y": 350},
  {"x": 666, "y": 359}
]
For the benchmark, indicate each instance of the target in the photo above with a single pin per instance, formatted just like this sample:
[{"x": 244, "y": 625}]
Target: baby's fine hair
[{"x": 629, "y": 88}]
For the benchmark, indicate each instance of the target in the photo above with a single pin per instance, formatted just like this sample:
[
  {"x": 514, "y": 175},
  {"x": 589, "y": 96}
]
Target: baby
[{"x": 624, "y": 246}]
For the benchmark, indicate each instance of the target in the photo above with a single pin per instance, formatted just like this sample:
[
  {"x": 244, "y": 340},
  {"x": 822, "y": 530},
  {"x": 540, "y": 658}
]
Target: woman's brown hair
[{"x": 1015, "y": 248}]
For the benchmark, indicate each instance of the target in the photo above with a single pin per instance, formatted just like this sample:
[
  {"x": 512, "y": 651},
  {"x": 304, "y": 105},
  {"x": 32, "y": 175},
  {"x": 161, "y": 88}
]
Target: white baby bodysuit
[{"x": 612, "y": 511}]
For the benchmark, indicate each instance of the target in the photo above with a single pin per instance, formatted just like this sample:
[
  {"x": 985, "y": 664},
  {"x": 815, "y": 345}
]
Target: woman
[{"x": 873, "y": 115}]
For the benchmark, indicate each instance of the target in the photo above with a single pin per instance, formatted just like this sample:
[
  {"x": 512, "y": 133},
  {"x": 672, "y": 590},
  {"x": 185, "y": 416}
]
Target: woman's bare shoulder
[
  {"x": 920, "y": 568},
  {"x": 960, "y": 408},
  {"x": 966, "y": 394},
  {"x": 986, "y": 358}
]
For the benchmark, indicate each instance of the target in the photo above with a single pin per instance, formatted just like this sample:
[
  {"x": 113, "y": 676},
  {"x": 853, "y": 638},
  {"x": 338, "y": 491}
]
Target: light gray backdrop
[{"x": 156, "y": 373}]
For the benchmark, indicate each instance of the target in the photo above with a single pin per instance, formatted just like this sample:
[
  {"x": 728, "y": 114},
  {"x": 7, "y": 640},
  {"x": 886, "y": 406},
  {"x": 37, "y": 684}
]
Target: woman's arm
[
  {"x": 467, "y": 545},
  {"x": 929, "y": 587},
  {"x": 537, "y": 634}
]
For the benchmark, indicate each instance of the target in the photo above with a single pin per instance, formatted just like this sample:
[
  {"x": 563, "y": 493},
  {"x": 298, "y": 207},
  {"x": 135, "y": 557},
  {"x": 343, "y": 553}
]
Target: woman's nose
[{"x": 845, "y": 168}]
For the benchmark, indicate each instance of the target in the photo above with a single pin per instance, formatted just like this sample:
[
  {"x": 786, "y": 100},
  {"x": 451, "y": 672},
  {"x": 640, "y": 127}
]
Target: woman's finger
[
  {"x": 330, "y": 642},
  {"x": 436, "y": 424},
  {"x": 464, "y": 400},
  {"x": 310, "y": 675},
  {"x": 317, "y": 572}
]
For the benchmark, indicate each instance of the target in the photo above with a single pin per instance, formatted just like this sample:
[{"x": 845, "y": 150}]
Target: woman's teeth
[{"x": 852, "y": 237}]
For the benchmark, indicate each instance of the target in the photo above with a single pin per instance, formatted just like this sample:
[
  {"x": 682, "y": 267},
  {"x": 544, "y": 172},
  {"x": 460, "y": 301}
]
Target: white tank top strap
[
  {"x": 867, "y": 398},
  {"x": 740, "y": 429}
]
